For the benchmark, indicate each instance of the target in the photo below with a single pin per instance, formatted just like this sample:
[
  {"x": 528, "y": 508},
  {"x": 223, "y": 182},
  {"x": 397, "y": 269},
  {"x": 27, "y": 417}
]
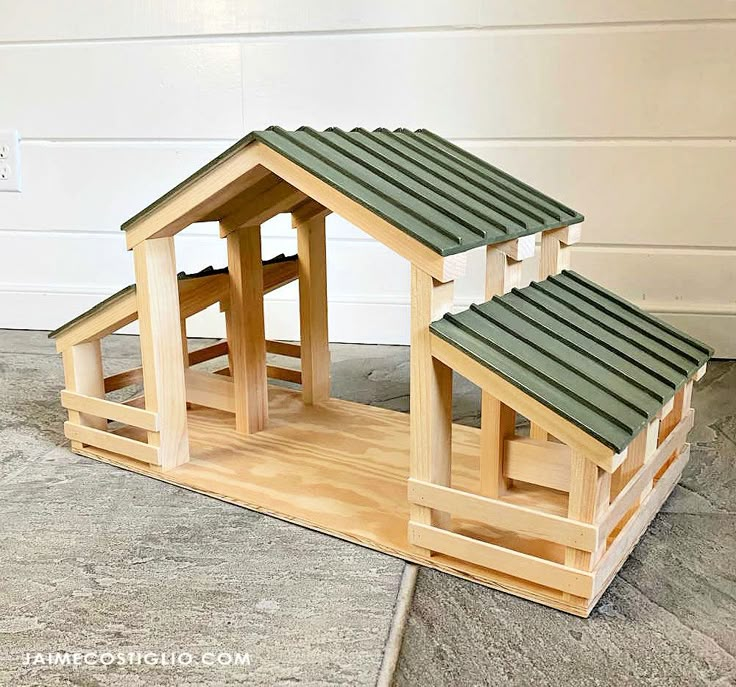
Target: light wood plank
[
  {"x": 546, "y": 463},
  {"x": 103, "y": 408},
  {"x": 112, "y": 442},
  {"x": 210, "y": 390},
  {"x": 290, "y": 350},
  {"x": 205, "y": 353},
  {"x": 640, "y": 483},
  {"x": 255, "y": 211},
  {"x": 497, "y": 424},
  {"x": 511, "y": 562},
  {"x": 555, "y": 255},
  {"x": 83, "y": 375},
  {"x": 504, "y": 515},
  {"x": 161, "y": 348},
  {"x": 246, "y": 338},
  {"x": 284, "y": 373},
  {"x": 123, "y": 379},
  {"x": 628, "y": 537},
  {"x": 315, "y": 352}
]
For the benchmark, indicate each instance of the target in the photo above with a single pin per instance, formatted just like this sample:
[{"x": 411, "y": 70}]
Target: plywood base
[{"x": 341, "y": 468}]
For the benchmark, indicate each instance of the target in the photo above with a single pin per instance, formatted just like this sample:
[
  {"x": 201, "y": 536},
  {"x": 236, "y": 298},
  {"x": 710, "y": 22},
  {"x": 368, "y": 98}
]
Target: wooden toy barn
[{"x": 549, "y": 514}]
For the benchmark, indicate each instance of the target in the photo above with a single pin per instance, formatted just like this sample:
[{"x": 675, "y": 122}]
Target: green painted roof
[
  {"x": 589, "y": 355},
  {"x": 420, "y": 183}
]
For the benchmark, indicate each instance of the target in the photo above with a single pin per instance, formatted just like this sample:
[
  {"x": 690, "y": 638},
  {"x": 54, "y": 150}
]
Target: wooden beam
[
  {"x": 504, "y": 515},
  {"x": 309, "y": 209},
  {"x": 431, "y": 393},
  {"x": 161, "y": 348},
  {"x": 555, "y": 255},
  {"x": 220, "y": 185},
  {"x": 246, "y": 338},
  {"x": 206, "y": 353},
  {"x": 508, "y": 561},
  {"x": 315, "y": 352},
  {"x": 123, "y": 379},
  {"x": 285, "y": 374},
  {"x": 255, "y": 211},
  {"x": 290, "y": 350},
  {"x": 102, "y": 408},
  {"x": 640, "y": 484},
  {"x": 535, "y": 411},
  {"x": 83, "y": 375},
  {"x": 210, "y": 390},
  {"x": 130, "y": 448},
  {"x": 536, "y": 461},
  {"x": 497, "y": 425}
]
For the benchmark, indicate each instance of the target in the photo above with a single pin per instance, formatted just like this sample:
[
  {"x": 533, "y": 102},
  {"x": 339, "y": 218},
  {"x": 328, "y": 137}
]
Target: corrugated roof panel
[
  {"x": 439, "y": 194},
  {"x": 590, "y": 356}
]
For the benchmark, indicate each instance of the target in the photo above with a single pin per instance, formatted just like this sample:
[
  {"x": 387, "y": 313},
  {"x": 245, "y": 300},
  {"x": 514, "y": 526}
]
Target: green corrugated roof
[
  {"x": 589, "y": 355},
  {"x": 420, "y": 183}
]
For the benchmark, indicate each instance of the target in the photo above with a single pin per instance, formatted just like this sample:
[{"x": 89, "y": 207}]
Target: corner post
[
  {"x": 430, "y": 394},
  {"x": 246, "y": 329},
  {"x": 157, "y": 294},
  {"x": 315, "y": 358},
  {"x": 83, "y": 374},
  {"x": 497, "y": 420}
]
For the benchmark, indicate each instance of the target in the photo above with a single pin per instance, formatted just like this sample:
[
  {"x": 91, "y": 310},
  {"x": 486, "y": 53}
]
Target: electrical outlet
[{"x": 9, "y": 161}]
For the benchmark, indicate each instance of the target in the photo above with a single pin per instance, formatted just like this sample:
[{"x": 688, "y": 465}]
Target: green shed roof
[
  {"x": 420, "y": 183},
  {"x": 592, "y": 357}
]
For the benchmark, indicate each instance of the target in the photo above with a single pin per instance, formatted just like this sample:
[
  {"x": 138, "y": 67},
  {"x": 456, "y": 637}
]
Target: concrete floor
[{"x": 95, "y": 558}]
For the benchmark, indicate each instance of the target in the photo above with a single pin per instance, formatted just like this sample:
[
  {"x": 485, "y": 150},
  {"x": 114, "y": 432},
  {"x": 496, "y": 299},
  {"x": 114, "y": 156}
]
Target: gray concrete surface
[{"x": 95, "y": 558}]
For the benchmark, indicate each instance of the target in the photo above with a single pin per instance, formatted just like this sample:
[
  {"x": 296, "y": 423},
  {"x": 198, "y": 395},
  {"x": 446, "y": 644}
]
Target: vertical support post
[
  {"x": 497, "y": 421},
  {"x": 555, "y": 255},
  {"x": 590, "y": 495},
  {"x": 430, "y": 394},
  {"x": 184, "y": 343},
  {"x": 83, "y": 374},
  {"x": 161, "y": 348},
  {"x": 681, "y": 405},
  {"x": 247, "y": 335},
  {"x": 313, "y": 308}
]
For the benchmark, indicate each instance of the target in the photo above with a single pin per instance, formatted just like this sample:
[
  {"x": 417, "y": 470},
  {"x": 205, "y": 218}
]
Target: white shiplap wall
[{"x": 624, "y": 110}]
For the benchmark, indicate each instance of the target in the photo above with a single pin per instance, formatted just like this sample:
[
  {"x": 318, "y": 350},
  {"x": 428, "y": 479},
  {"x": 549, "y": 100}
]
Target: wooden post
[
  {"x": 184, "y": 342},
  {"x": 83, "y": 375},
  {"x": 315, "y": 352},
  {"x": 247, "y": 336},
  {"x": 497, "y": 421},
  {"x": 590, "y": 495},
  {"x": 555, "y": 255},
  {"x": 430, "y": 394},
  {"x": 157, "y": 294}
]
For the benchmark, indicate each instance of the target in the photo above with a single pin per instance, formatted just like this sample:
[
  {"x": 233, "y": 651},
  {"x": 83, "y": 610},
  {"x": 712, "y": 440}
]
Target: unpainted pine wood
[
  {"x": 503, "y": 273},
  {"x": 123, "y": 379},
  {"x": 621, "y": 547},
  {"x": 184, "y": 342},
  {"x": 246, "y": 335},
  {"x": 430, "y": 393},
  {"x": 508, "y": 516},
  {"x": 210, "y": 390},
  {"x": 315, "y": 351},
  {"x": 590, "y": 489},
  {"x": 309, "y": 209},
  {"x": 201, "y": 355},
  {"x": 130, "y": 448},
  {"x": 83, "y": 375},
  {"x": 497, "y": 425},
  {"x": 536, "y": 461},
  {"x": 555, "y": 253},
  {"x": 102, "y": 408},
  {"x": 286, "y": 374},
  {"x": 161, "y": 348},
  {"x": 671, "y": 420},
  {"x": 259, "y": 209},
  {"x": 640, "y": 485},
  {"x": 286, "y": 348}
]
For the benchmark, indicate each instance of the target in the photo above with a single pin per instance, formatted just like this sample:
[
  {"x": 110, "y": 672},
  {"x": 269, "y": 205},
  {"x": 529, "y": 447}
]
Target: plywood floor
[{"x": 341, "y": 468}]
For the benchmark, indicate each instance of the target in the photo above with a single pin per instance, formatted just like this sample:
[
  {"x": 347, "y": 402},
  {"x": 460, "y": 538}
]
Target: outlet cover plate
[{"x": 9, "y": 160}]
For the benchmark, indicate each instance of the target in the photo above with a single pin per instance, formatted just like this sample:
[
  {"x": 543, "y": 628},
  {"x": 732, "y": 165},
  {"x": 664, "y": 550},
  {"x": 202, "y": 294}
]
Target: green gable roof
[
  {"x": 589, "y": 355},
  {"x": 427, "y": 187}
]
